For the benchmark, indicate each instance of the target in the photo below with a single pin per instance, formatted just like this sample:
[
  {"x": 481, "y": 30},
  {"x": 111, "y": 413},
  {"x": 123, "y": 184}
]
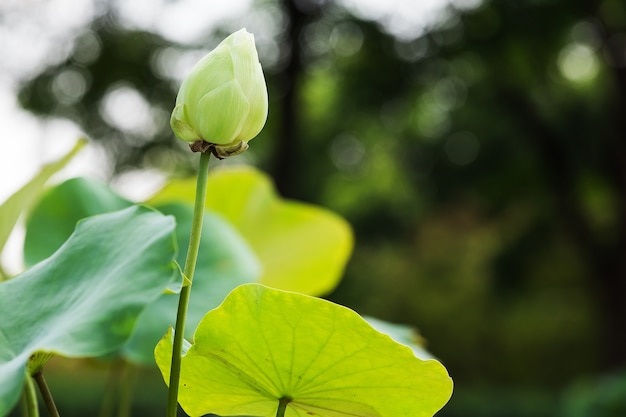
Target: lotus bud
[{"x": 222, "y": 104}]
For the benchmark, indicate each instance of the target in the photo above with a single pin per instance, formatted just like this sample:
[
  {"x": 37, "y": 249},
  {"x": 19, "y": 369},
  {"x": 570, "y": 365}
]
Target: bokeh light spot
[
  {"x": 126, "y": 109},
  {"x": 578, "y": 63},
  {"x": 462, "y": 148},
  {"x": 69, "y": 86},
  {"x": 87, "y": 48},
  {"x": 347, "y": 153},
  {"x": 346, "y": 39}
]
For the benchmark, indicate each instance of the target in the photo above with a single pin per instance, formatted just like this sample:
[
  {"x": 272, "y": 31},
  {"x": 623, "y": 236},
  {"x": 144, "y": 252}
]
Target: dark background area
[{"x": 482, "y": 165}]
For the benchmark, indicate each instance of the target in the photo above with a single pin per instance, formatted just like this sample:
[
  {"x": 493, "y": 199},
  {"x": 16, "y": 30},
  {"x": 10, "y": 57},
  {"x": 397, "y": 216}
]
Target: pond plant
[{"x": 223, "y": 262}]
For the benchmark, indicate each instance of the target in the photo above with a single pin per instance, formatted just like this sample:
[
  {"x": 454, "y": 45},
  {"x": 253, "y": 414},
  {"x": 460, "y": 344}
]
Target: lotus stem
[{"x": 188, "y": 271}]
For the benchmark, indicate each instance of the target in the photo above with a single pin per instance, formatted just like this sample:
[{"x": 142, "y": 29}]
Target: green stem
[
  {"x": 31, "y": 408},
  {"x": 46, "y": 394},
  {"x": 188, "y": 271},
  {"x": 126, "y": 390},
  {"x": 110, "y": 390},
  {"x": 282, "y": 406}
]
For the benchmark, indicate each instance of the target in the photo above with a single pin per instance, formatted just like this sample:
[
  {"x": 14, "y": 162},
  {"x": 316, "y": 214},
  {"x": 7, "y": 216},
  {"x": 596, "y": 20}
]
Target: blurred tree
[
  {"x": 298, "y": 15},
  {"x": 109, "y": 68},
  {"x": 539, "y": 81},
  {"x": 509, "y": 105}
]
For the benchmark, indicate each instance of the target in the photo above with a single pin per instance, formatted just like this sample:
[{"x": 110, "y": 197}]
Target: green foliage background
[{"x": 487, "y": 190}]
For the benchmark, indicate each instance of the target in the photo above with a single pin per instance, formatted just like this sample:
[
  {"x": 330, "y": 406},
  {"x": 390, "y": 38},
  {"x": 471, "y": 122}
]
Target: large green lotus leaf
[
  {"x": 301, "y": 247},
  {"x": 84, "y": 300},
  {"x": 224, "y": 262},
  {"x": 263, "y": 345},
  {"x": 53, "y": 219},
  {"x": 24, "y": 198}
]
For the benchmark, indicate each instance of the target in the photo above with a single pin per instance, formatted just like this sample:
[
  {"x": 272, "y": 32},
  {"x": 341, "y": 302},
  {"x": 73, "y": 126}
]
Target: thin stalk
[
  {"x": 126, "y": 390},
  {"x": 282, "y": 406},
  {"x": 190, "y": 267},
  {"x": 31, "y": 408},
  {"x": 110, "y": 390},
  {"x": 46, "y": 394}
]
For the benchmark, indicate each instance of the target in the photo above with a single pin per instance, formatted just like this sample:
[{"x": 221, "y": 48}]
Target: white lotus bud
[{"x": 222, "y": 104}]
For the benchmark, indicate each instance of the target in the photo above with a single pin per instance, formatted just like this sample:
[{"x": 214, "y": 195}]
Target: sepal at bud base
[{"x": 219, "y": 151}]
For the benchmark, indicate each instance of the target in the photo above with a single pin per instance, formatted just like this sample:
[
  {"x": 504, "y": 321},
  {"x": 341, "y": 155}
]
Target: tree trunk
[{"x": 287, "y": 154}]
